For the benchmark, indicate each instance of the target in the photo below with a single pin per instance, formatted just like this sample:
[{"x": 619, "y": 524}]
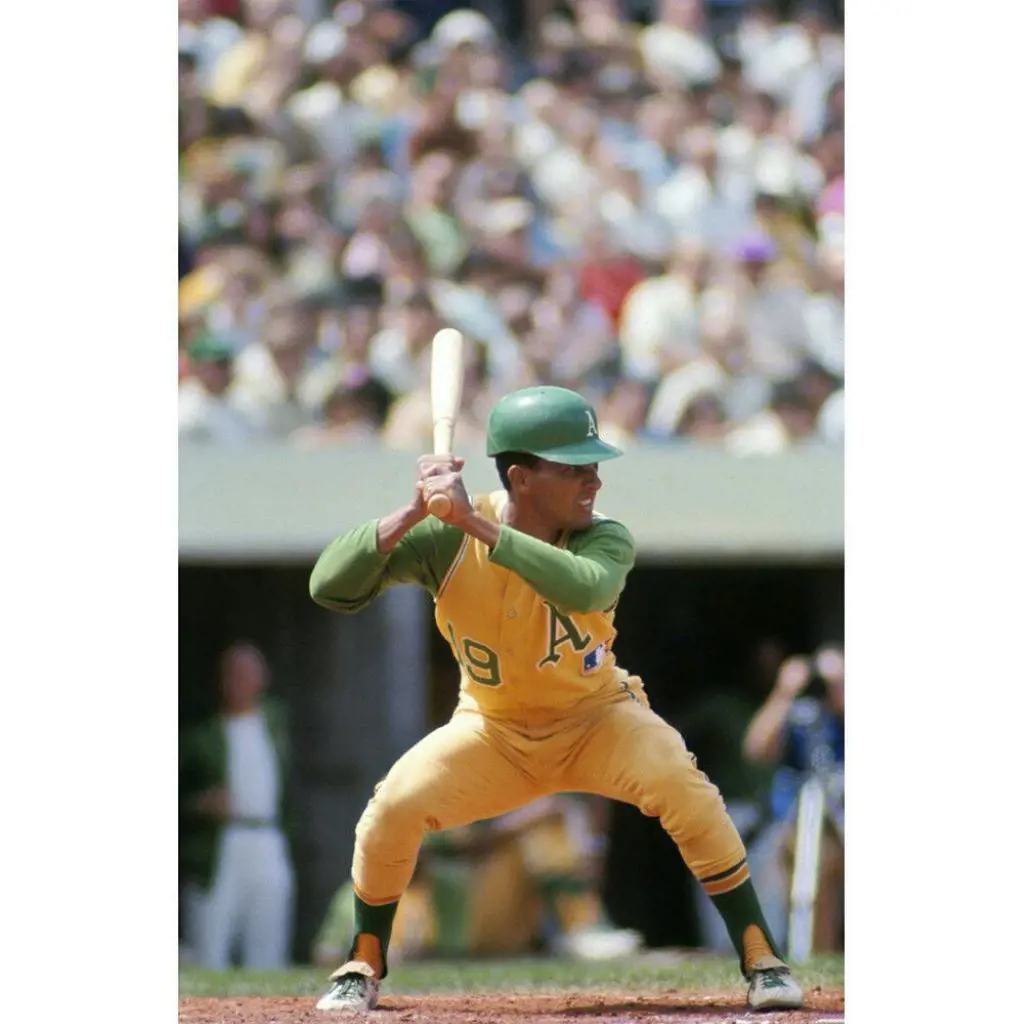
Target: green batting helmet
[{"x": 552, "y": 423}]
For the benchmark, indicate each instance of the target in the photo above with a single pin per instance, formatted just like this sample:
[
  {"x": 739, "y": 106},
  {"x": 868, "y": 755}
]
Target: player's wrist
[
  {"x": 479, "y": 526},
  {"x": 391, "y": 529},
  {"x": 415, "y": 512}
]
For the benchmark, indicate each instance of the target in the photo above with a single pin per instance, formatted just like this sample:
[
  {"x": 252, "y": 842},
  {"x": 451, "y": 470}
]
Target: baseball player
[{"x": 525, "y": 582}]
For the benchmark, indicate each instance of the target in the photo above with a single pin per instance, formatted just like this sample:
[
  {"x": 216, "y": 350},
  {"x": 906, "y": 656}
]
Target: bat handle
[{"x": 439, "y": 505}]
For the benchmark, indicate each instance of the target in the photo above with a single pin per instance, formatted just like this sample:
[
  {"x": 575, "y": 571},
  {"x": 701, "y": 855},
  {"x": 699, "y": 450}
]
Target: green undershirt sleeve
[
  {"x": 351, "y": 572},
  {"x": 588, "y": 577}
]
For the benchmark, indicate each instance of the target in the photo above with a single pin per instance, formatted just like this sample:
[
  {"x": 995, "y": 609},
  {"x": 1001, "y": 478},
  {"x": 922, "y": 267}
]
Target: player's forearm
[
  {"x": 406, "y": 546},
  {"x": 391, "y": 529},
  {"x": 350, "y": 571},
  {"x": 763, "y": 742},
  {"x": 572, "y": 582},
  {"x": 482, "y": 528}
]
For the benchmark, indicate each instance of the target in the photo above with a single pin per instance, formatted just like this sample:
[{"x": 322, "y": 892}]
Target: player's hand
[
  {"x": 443, "y": 475},
  {"x": 794, "y": 675},
  {"x": 437, "y": 465},
  {"x": 431, "y": 466}
]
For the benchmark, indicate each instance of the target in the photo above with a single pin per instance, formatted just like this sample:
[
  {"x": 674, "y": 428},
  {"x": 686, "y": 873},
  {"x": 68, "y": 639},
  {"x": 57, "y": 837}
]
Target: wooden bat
[{"x": 446, "y": 374}]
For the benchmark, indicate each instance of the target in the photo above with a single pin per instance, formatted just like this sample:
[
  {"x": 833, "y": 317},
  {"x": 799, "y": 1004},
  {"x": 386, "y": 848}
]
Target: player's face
[{"x": 566, "y": 494}]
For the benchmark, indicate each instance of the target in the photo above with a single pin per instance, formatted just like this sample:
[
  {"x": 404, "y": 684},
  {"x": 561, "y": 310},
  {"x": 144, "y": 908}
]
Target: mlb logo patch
[{"x": 593, "y": 658}]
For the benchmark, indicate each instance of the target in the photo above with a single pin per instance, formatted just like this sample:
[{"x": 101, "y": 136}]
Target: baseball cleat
[
  {"x": 354, "y": 988},
  {"x": 772, "y": 987}
]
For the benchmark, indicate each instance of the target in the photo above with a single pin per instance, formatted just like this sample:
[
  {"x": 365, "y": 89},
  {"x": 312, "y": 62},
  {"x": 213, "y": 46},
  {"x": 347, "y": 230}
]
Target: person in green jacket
[
  {"x": 525, "y": 582},
  {"x": 233, "y": 852}
]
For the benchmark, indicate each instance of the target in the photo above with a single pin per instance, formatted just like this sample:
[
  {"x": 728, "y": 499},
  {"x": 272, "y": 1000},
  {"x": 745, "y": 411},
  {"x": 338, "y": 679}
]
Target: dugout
[{"x": 730, "y": 552}]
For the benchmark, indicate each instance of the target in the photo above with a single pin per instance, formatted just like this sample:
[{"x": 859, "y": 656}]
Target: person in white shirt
[
  {"x": 239, "y": 881},
  {"x": 400, "y": 353},
  {"x": 659, "y": 328},
  {"x": 273, "y": 375},
  {"x": 787, "y": 421},
  {"x": 208, "y": 410}
]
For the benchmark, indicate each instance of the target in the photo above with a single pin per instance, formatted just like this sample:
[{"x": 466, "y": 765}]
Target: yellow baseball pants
[{"x": 476, "y": 767}]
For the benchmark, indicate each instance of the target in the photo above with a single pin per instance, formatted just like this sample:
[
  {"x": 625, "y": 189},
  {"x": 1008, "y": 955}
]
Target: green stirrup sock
[
  {"x": 376, "y": 921},
  {"x": 741, "y": 909}
]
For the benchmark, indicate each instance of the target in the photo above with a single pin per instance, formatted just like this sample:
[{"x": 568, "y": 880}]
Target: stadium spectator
[
  {"x": 660, "y": 326},
  {"x": 345, "y": 327},
  {"x": 623, "y": 413},
  {"x": 410, "y": 423},
  {"x": 352, "y": 412},
  {"x": 273, "y": 373},
  {"x": 832, "y": 420},
  {"x": 788, "y": 419},
  {"x": 206, "y": 410},
  {"x": 823, "y": 313},
  {"x": 399, "y": 355}
]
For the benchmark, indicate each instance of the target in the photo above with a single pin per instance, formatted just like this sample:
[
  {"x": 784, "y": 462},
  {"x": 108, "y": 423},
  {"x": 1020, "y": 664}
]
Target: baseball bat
[{"x": 446, "y": 374}]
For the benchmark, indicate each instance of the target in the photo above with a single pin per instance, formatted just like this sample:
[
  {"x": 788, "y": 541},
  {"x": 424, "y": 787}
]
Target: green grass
[{"x": 650, "y": 972}]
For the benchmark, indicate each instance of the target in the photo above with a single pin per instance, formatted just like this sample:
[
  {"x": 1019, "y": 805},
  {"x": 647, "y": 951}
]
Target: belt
[{"x": 253, "y": 822}]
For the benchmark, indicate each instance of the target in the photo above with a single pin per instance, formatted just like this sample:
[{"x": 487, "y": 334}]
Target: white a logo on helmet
[{"x": 591, "y": 425}]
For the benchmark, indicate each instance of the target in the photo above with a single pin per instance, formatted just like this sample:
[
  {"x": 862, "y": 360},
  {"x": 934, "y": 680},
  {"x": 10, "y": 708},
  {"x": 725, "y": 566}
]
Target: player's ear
[{"x": 518, "y": 478}]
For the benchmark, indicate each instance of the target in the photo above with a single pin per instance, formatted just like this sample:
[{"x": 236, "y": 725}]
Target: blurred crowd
[{"x": 640, "y": 200}]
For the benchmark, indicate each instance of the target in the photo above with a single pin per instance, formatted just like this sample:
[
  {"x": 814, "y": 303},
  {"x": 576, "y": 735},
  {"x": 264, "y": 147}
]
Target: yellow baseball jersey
[
  {"x": 531, "y": 624},
  {"x": 515, "y": 648}
]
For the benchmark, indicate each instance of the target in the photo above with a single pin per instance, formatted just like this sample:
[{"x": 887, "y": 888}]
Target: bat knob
[{"x": 439, "y": 505}]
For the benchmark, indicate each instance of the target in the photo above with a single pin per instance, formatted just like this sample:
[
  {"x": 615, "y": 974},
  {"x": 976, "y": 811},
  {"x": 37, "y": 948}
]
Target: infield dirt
[{"x": 600, "y": 1007}]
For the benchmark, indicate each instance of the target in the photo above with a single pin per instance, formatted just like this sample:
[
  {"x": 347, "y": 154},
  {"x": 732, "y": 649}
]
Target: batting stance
[{"x": 525, "y": 582}]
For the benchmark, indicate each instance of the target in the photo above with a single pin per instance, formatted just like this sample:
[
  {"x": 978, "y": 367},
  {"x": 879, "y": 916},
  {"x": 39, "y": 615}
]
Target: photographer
[{"x": 800, "y": 730}]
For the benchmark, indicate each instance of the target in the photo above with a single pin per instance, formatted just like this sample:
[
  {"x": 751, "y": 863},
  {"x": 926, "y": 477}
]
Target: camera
[{"x": 817, "y": 688}]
